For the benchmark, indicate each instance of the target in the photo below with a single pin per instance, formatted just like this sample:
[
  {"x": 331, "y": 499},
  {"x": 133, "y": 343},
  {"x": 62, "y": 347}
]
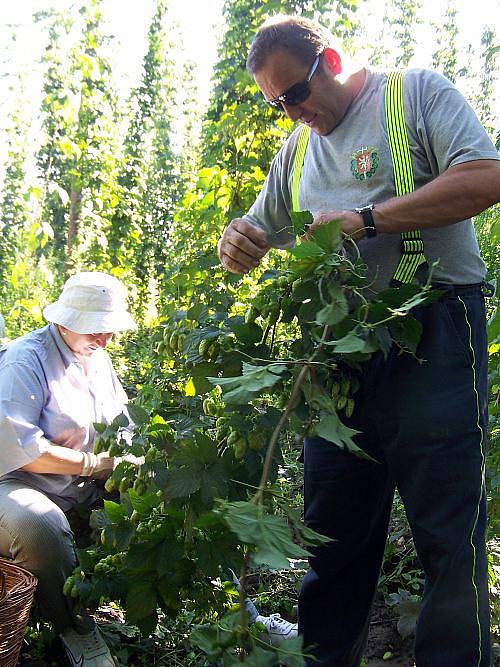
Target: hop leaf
[
  {"x": 301, "y": 220},
  {"x": 254, "y": 379},
  {"x": 268, "y": 534}
]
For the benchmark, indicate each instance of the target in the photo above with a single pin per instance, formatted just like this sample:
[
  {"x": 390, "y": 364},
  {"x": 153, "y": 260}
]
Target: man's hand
[
  {"x": 242, "y": 246},
  {"x": 460, "y": 192},
  {"x": 351, "y": 222}
]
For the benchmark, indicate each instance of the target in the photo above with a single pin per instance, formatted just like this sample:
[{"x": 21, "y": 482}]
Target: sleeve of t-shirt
[
  {"x": 270, "y": 210},
  {"x": 21, "y": 402},
  {"x": 447, "y": 126}
]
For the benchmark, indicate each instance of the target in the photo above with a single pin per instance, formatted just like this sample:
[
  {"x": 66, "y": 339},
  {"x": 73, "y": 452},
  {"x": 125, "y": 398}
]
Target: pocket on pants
[{"x": 456, "y": 317}]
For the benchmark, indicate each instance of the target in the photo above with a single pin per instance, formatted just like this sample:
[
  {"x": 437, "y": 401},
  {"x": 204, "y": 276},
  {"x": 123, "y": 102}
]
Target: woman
[{"x": 55, "y": 383}]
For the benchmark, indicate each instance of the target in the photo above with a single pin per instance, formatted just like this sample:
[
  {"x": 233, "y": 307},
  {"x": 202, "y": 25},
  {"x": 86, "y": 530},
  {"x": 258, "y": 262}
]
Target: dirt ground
[{"x": 384, "y": 638}]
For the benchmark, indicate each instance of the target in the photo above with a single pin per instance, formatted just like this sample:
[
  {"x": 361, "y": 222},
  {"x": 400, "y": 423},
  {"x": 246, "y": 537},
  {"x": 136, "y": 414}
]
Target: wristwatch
[{"x": 366, "y": 212}]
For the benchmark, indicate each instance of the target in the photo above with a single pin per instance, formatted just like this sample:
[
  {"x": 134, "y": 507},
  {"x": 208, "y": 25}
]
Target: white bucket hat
[{"x": 91, "y": 302}]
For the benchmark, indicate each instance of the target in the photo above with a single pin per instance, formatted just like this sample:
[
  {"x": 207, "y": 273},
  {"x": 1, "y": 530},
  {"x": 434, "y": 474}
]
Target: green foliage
[
  {"x": 403, "y": 18},
  {"x": 78, "y": 158},
  {"x": 445, "y": 57},
  {"x": 237, "y": 366},
  {"x": 19, "y": 234},
  {"x": 103, "y": 197},
  {"x": 485, "y": 99},
  {"x": 186, "y": 515},
  {"x": 13, "y": 203},
  {"x": 149, "y": 182}
]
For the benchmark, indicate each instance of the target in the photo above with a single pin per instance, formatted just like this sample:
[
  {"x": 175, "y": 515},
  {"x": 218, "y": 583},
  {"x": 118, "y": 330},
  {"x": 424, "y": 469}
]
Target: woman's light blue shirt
[{"x": 45, "y": 397}]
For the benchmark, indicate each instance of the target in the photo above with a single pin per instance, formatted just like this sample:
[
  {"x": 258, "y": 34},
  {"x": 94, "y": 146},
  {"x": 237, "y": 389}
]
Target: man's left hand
[{"x": 352, "y": 223}]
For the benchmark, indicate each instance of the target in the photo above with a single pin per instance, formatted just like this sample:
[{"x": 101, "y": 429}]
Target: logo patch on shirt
[{"x": 364, "y": 162}]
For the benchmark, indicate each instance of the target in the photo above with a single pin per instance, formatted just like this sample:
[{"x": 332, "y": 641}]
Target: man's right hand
[{"x": 242, "y": 246}]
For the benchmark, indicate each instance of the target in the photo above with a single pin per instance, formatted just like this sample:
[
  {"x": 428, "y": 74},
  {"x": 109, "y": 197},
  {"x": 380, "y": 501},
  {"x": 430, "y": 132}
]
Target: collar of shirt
[{"x": 67, "y": 355}]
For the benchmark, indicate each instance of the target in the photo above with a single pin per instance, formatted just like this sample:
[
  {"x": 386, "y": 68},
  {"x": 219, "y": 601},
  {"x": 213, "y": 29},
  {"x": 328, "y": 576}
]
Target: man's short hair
[{"x": 304, "y": 38}]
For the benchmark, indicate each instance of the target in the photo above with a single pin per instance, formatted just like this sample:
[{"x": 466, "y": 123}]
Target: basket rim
[
  {"x": 18, "y": 589},
  {"x": 25, "y": 579}
]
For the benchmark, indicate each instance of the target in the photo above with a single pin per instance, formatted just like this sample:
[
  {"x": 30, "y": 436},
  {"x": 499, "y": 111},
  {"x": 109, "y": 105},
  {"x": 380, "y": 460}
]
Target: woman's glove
[{"x": 102, "y": 465}]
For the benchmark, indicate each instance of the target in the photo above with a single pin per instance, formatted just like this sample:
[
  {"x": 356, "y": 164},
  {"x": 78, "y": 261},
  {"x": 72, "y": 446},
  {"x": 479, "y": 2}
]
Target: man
[{"x": 424, "y": 422}]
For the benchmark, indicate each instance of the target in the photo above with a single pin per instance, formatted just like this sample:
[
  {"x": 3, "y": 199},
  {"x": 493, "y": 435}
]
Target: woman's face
[{"x": 84, "y": 345}]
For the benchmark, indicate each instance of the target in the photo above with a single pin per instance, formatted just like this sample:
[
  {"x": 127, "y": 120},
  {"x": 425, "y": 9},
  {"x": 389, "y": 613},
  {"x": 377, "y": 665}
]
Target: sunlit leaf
[
  {"x": 254, "y": 379},
  {"x": 335, "y": 311}
]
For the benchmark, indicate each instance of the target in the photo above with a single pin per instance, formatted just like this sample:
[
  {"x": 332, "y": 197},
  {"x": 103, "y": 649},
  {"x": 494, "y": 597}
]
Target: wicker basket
[{"x": 17, "y": 588}]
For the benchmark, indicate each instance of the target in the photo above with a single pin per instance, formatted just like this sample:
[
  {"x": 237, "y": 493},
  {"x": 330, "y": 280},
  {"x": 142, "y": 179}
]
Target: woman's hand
[
  {"x": 99, "y": 466},
  {"x": 64, "y": 461}
]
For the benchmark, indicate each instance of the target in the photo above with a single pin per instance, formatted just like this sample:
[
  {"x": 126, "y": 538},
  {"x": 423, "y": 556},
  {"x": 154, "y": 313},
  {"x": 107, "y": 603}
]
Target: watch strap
[{"x": 366, "y": 212}]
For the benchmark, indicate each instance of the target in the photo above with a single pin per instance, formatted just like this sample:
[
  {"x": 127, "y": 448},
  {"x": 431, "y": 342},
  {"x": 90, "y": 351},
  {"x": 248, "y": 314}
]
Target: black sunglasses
[{"x": 297, "y": 93}]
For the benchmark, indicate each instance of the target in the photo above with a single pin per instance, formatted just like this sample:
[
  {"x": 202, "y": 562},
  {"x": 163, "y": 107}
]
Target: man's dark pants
[{"x": 425, "y": 422}]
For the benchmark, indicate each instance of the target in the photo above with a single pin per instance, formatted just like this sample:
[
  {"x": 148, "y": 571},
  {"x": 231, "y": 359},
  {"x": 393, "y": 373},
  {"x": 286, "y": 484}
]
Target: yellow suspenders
[
  {"x": 300, "y": 153},
  {"x": 412, "y": 245}
]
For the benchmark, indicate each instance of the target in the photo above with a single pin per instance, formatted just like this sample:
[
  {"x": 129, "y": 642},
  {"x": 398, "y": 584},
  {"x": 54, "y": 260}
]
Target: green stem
[
  {"x": 259, "y": 496},
  {"x": 243, "y": 609},
  {"x": 291, "y": 362},
  {"x": 292, "y": 401}
]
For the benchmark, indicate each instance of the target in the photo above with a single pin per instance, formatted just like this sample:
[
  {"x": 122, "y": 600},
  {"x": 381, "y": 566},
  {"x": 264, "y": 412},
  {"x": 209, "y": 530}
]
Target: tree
[
  {"x": 78, "y": 159},
  {"x": 23, "y": 280},
  {"x": 191, "y": 119},
  {"x": 485, "y": 99},
  {"x": 13, "y": 202},
  {"x": 445, "y": 57},
  {"x": 149, "y": 180},
  {"x": 403, "y": 19},
  {"x": 57, "y": 111}
]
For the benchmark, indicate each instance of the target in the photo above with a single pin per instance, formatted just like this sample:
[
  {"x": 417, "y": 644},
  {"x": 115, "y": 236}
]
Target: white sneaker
[
  {"x": 89, "y": 650},
  {"x": 278, "y": 628}
]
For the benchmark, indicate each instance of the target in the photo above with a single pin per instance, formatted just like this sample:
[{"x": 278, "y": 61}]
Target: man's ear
[{"x": 333, "y": 61}]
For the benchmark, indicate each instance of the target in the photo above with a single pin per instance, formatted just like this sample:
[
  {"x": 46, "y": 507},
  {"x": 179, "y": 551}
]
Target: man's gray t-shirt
[{"x": 352, "y": 166}]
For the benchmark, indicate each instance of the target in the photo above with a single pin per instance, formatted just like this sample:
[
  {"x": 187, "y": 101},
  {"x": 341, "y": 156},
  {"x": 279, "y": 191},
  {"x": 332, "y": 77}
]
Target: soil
[{"x": 385, "y": 639}]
